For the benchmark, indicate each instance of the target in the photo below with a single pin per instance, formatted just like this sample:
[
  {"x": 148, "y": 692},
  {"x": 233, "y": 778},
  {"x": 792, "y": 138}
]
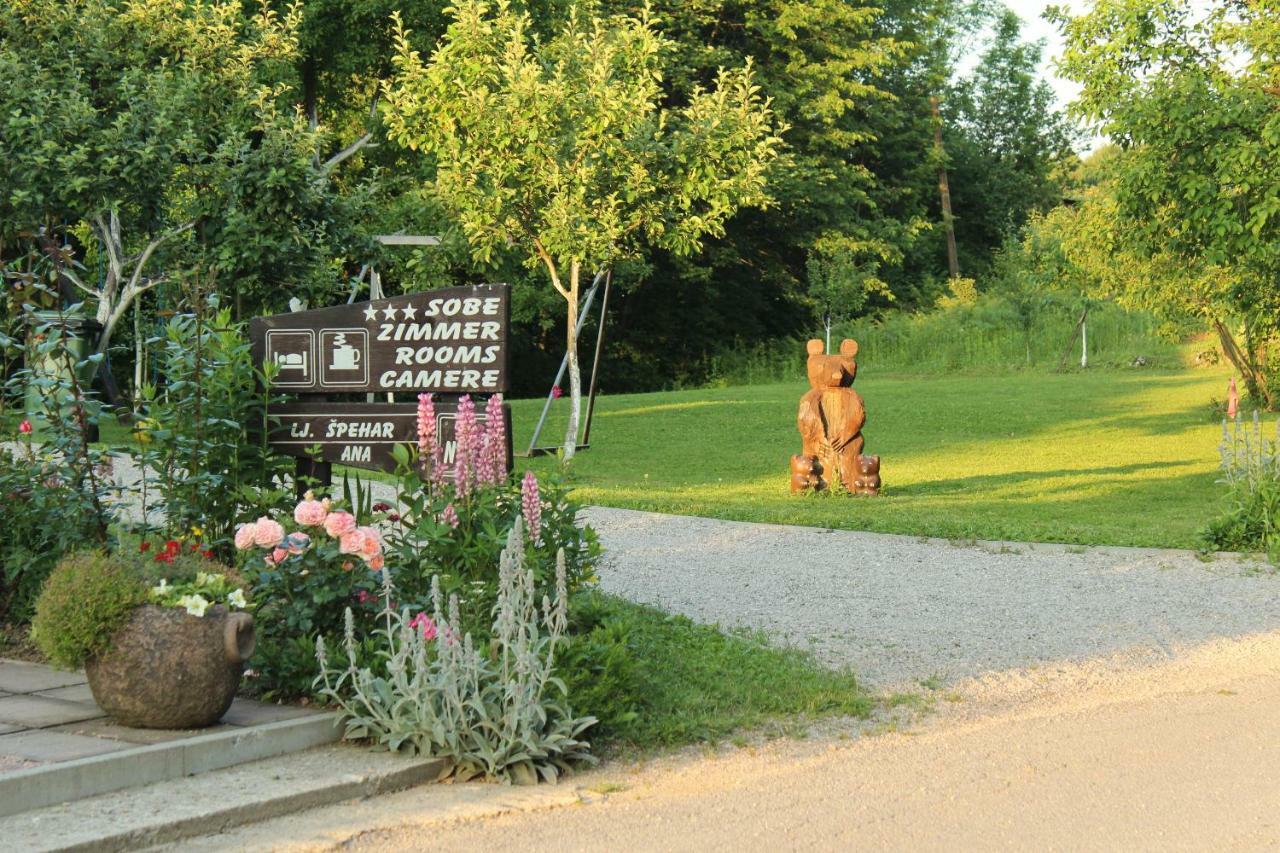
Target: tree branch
[
  {"x": 345, "y": 153},
  {"x": 151, "y": 247}
]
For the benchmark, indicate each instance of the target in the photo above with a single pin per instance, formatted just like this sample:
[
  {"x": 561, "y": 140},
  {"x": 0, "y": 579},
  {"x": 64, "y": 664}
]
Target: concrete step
[
  {"x": 130, "y": 767},
  {"x": 215, "y": 801}
]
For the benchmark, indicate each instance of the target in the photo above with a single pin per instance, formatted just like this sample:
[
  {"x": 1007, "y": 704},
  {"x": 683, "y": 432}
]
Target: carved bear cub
[
  {"x": 806, "y": 473},
  {"x": 867, "y": 480}
]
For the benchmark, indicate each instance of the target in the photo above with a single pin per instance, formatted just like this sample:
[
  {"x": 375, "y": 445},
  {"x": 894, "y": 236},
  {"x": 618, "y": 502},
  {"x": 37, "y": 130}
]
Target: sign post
[{"x": 445, "y": 342}]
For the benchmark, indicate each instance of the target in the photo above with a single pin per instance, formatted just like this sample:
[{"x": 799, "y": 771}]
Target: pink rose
[
  {"x": 336, "y": 524},
  {"x": 377, "y": 562},
  {"x": 372, "y": 546},
  {"x": 297, "y": 543},
  {"x": 268, "y": 533},
  {"x": 351, "y": 542},
  {"x": 310, "y": 513},
  {"x": 279, "y": 555},
  {"x": 246, "y": 534}
]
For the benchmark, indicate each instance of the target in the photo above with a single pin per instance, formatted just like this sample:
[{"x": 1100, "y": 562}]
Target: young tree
[
  {"x": 157, "y": 130},
  {"x": 560, "y": 148},
  {"x": 1191, "y": 94}
]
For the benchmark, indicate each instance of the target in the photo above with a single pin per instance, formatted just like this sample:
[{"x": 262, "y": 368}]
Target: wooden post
[{"x": 944, "y": 189}]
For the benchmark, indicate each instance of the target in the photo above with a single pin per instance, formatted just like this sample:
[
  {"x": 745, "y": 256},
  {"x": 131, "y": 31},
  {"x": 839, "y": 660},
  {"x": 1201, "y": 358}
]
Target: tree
[
  {"x": 1191, "y": 97},
  {"x": 559, "y": 147},
  {"x": 157, "y": 132}
]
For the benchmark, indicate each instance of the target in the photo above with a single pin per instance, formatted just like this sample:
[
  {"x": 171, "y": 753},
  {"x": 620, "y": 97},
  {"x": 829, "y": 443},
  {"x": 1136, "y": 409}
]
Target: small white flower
[
  {"x": 161, "y": 590},
  {"x": 196, "y": 605},
  {"x": 236, "y": 599},
  {"x": 204, "y": 578}
]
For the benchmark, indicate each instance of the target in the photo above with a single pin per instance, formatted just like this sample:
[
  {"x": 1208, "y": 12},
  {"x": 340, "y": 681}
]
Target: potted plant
[{"x": 164, "y": 653}]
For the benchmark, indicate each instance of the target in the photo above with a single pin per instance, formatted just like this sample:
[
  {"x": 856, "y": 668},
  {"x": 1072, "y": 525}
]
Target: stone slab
[
  {"x": 47, "y": 746},
  {"x": 6, "y": 728},
  {"x": 212, "y": 802},
  {"x": 21, "y": 677},
  {"x": 105, "y": 728},
  {"x": 74, "y": 693},
  {"x": 37, "y": 712},
  {"x": 247, "y": 712},
  {"x": 135, "y": 766}
]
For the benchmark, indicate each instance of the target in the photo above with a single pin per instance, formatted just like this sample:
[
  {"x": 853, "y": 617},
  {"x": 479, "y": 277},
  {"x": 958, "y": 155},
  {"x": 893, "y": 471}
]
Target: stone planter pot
[{"x": 167, "y": 669}]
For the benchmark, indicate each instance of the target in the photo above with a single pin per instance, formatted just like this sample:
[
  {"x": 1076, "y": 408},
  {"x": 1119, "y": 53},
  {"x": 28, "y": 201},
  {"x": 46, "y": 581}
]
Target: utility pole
[{"x": 944, "y": 189}]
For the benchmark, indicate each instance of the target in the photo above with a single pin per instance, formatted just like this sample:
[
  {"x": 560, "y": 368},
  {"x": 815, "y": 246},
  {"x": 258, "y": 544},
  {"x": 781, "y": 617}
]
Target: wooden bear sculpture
[
  {"x": 831, "y": 414},
  {"x": 806, "y": 473},
  {"x": 867, "y": 481}
]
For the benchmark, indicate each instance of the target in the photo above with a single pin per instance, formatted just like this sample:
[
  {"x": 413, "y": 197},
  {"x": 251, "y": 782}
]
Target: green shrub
[
  {"x": 86, "y": 599},
  {"x": 1250, "y": 466}
]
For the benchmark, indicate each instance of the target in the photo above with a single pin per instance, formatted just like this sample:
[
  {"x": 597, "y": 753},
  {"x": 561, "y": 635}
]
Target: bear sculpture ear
[
  {"x": 814, "y": 347},
  {"x": 848, "y": 348}
]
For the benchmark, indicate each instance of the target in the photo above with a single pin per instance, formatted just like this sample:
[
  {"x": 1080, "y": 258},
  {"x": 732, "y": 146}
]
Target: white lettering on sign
[
  {"x": 356, "y": 453},
  {"x": 360, "y": 429},
  {"x": 447, "y": 355},
  {"x": 465, "y": 380},
  {"x": 444, "y": 331}
]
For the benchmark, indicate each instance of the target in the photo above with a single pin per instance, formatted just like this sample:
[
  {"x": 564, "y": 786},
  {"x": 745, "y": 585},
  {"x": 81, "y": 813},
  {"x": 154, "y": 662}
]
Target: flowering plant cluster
[
  {"x": 305, "y": 570},
  {"x": 197, "y": 595}
]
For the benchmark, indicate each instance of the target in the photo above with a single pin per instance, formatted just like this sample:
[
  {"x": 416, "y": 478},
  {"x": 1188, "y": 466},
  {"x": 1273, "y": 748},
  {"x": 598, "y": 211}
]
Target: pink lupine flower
[
  {"x": 336, "y": 524},
  {"x": 461, "y": 475},
  {"x": 297, "y": 543},
  {"x": 531, "y": 505},
  {"x": 351, "y": 542},
  {"x": 310, "y": 513},
  {"x": 267, "y": 533},
  {"x": 450, "y": 516},
  {"x": 467, "y": 432},
  {"x": 246, "y": 536},
  {"x": 424, "y": 623},
  {"x": 426, "y": 426},
  {"x": 496, "y": 438}
]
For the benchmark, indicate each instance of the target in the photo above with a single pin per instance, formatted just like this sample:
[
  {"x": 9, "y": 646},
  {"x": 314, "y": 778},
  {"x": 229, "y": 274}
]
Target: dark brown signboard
[
  {"x": 363, "y": 435},
  {"x": 451, "y": 341}
]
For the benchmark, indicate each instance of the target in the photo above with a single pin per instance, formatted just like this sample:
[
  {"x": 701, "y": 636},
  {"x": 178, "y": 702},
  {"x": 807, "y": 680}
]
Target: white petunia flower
[
  {"x": 196, "y": 605},
  {"x": 236, "y": 599},
  {"x": 161, "y": 590},
  {"x": 204, "y": 578}
]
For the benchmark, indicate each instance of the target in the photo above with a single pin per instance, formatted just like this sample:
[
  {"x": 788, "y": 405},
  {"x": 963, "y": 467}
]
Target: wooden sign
[
  {"x": 363, "y": 435},
  {"x": 451, "y": 341}
]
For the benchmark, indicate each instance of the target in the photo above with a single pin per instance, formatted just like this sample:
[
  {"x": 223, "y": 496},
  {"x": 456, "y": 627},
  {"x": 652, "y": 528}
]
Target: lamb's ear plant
[
  {"x": 1250, "y": 469},
  {"x": 498, "y": 712}
]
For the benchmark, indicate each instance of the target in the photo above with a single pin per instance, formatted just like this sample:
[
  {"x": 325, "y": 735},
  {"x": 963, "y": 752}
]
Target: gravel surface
[{"x": 900, "y": 609}]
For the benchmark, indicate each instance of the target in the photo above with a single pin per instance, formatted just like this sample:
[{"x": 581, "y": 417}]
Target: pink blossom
[
  {"x": 426, "y": 428},
  {"x": 297, "y": 543},
  {"x": 338, "y": 523},
  {"x": 372, "y": 545},
  {"x": 376, "y": 562},
  {"x": 495, "y": 438},
  {"x": 268, "y": 533},
  {"x": 425, "y": 624},
  {"x": 450, "y": 516},
  {"x": 531, "y": 505},
  {"x": 310, "y": 513},
  {"x": 279, "y": 555},
  {"x": 556, "y": 392},
  {"x": 469, "y": 438},
  {"x": 351, "y": 542},
  {"x": 25, "y": 427},
  {"x": 246, "y": 535}
]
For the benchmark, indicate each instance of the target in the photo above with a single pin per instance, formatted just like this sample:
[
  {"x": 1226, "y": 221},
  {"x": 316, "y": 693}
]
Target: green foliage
[
  {"x": 1250, "y": 471},
  {"x": 87, "y": 598},
  {"x": 657, "y": 680},
  {"x": 203, "y": 434},
  {"x": 1189, "y": 94},
  {"x": 499, "y": 713}
]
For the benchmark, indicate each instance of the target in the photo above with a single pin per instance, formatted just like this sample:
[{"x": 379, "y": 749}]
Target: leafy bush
[
  {"x": 498, "y": 712},
  {"x": 86, "y": 599},
  {"x": 1250, "y": 466},
  {"x": 303, "y": 581},
  {"x": 203, "y": 435}
]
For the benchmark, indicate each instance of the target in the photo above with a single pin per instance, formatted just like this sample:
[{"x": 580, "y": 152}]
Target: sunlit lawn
[{"x": 1114, "y": 457}]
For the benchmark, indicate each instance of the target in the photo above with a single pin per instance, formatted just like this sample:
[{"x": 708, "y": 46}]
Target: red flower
[
  {"x": 381, "y": 507},
  {"x": 144, "y": 547},
  {"x": 556, "y": 392},
  {"x": 208, "y": 555},
  {"x": 195, "y": 546},
  {"x": 25, "y": 427}
]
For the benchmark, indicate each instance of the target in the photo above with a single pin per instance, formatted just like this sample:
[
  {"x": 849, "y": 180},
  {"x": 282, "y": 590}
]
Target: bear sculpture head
[{"x": 832, "y": 371}]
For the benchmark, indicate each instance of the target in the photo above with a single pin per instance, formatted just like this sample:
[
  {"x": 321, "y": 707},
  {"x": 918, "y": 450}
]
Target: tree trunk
[
  {"x": 944, "y": 191},
  {"x": 1255, "y": 382},
  {"x": 575, "y": 374}
]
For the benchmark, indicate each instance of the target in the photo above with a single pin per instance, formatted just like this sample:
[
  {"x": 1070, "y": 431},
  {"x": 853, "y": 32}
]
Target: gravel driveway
[{"x": 900, "y": 609}]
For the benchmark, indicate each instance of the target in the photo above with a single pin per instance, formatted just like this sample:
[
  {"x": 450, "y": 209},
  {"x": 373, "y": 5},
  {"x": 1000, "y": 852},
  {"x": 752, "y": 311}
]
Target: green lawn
[{"x": 1124, "y": 457}]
